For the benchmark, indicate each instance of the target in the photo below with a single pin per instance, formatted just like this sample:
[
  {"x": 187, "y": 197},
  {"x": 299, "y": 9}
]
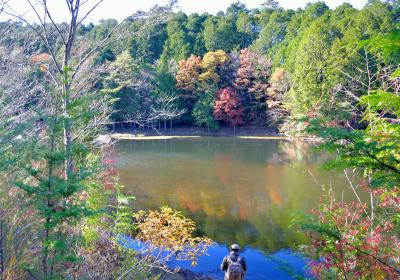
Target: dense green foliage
[
  {"x": 360, "y": 240},
  {"x": 317, "y": 48}
]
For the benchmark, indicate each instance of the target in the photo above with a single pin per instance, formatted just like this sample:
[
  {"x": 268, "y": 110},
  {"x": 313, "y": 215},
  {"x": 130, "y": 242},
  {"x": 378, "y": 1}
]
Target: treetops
[
  {"x": 316, "y": 47},
  {"x": 232, "y": 81}
]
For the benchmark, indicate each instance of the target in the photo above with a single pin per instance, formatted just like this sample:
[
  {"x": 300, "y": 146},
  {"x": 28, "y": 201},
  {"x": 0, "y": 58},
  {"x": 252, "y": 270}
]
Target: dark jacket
[{"x": 233, "y": 256}]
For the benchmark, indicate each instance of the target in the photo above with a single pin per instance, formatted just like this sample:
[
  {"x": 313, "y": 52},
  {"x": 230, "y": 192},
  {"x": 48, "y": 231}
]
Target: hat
[{"x": 235, "y": 247}]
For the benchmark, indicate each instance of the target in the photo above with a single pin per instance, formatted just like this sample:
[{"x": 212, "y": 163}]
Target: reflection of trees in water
[
  {"x": 187, "y": 201},
  {"x": 262, "y": 232},
  {"x": 240, "y": 193},
  {"x": 223, "y": 163},
  {"x": 292, "y": 152},
  {"x": 252, "y": 212},
  {"x": 272, "y": 183}
]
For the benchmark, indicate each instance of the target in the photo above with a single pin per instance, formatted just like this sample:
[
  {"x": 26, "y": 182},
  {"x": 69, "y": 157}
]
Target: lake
[{"x": 237, "y": 191}]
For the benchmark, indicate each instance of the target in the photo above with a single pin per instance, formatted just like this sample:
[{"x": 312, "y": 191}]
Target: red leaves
[
  {"x": 109, "y": 175},
  {"x": 245, "y": 73},
  {"x": 366, "y": 246},
  {"x": 253, "y": 73},
  {"x": 228, "y": 107}
]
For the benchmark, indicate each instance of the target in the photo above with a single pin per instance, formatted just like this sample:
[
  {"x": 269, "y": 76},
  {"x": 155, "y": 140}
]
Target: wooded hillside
[{"x": 253, "y": 67}]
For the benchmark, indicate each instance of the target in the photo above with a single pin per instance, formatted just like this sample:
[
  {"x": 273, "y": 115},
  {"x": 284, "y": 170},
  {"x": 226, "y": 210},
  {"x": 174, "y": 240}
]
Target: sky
[{"x": 120, "y": 9}]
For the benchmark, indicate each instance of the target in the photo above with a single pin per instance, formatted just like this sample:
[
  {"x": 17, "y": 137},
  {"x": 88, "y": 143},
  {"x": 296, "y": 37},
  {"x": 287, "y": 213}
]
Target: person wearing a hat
[{"x": 234, "y": 265}]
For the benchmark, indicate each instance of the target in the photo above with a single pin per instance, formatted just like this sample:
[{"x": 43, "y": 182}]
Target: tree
[
  {"x": 228, "y": 107},
  {"x": 273, "y": 31},
  {"x": 47, "y": 145},
  {"x": 271, "y": 4},
  {"x": 51, "y": 161},
  {"x": 360, "y": 240},
  {"x": 309, "y": 95},
  {"x": 203, "y": 110},
  {"x": 187, "y": 77},
  {"x": 246, "y": 29},
  {"x": 245, "y": 72},
  {"x": 194, "y": 26},
  {"x": 147, "y": 46},
  {"x": 280, "y": 85},
  {"x": 138, "y": 98},
  {"x": 129, "y": 85},
  {"x": 220, "y": 34},
  {"x": 210, "y": 64},
  {"x": 177, "y": 45},
  {"x": 252, "y": 80}
]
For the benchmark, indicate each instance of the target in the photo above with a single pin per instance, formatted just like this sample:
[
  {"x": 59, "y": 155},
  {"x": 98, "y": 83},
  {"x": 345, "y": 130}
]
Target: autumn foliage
[
  {"x": 168, "y": 234},
  {"x": 188, "y": 73},
  {"x": 227, "y": 87},
  {"x": 228, "y": 107},
  {"x": 211, "y": 62},
  {"x": 245, "y": 72},
  {"x": 276, "y": 95},
  {"x": 357, "y": 242},
  {"x": 253, "y": 73}
]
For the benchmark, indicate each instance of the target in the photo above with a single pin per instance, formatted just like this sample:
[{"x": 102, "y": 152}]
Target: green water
[{"x": 237, "y": 190}]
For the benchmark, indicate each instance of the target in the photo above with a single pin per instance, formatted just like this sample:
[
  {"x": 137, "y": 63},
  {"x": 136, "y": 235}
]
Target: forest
[
  {"x": 332, "y": 75},
  {"x": 265, "y": 67}
]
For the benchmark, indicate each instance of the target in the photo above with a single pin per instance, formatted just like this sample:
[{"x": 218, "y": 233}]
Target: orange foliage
[
  {"x": 40, "y": 58},
  {"x": 186, "y": 200},
  {"x": 188, "y": 73}
]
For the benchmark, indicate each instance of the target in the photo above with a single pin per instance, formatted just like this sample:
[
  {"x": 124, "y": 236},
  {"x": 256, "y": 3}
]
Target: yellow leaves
[
  {"x": 209, "y": 76},
  {"x": 278, "y": 75},
  {"x": 123, "y": 62},
  {"x": 210, "y": 62},
  {"x": 214, "y": 59},
  {"x": 41, "y": 59},
  {"x": 170, "y": 231},
  {"x": 43, "y": 67},
  {"x": 195, "y": 69}
]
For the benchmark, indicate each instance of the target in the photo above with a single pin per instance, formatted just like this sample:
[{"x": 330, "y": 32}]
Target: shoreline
[
  {"x": 198, "y": 132},
  {"x": 127, "y": 136}
]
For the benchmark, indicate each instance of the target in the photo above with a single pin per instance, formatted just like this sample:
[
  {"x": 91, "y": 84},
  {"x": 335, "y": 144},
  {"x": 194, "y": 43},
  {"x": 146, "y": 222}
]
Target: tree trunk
[{"x": 67, "y": 131}]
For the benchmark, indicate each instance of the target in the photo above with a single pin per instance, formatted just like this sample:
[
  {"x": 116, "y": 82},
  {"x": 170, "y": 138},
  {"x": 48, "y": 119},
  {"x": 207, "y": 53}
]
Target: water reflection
[{"x": 237, "y": 190}]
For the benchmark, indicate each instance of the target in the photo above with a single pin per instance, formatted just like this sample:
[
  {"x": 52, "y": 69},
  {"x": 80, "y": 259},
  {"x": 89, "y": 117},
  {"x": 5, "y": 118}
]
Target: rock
[
  {"x": 18, "y": 137},
  {"x": 102, "y": 140}
]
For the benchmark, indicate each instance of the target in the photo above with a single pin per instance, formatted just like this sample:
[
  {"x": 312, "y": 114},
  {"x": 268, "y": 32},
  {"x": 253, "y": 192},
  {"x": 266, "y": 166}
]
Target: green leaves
[
  {"x": 387, "y": 45},
  {"x": 382, "y": 101}
]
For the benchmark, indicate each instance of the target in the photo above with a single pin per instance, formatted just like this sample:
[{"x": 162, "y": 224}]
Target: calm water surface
[{"x": 237, "y": 190}]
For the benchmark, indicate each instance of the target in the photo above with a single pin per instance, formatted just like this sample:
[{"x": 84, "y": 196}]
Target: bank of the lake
[
  {"x": 202, "y": 131},
  {"x": 195, "y": 132}
]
